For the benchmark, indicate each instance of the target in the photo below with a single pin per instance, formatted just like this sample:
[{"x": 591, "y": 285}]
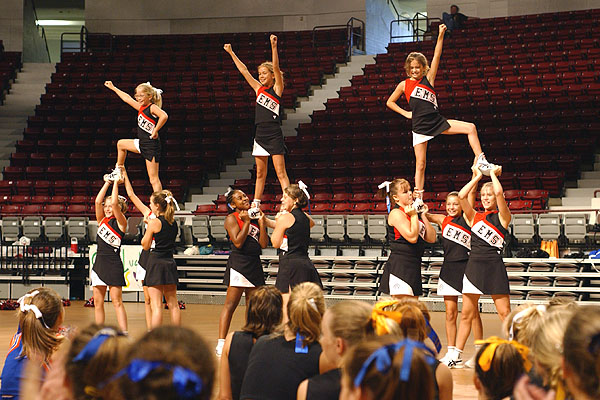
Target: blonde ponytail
[{"x": 305, "y": 310}]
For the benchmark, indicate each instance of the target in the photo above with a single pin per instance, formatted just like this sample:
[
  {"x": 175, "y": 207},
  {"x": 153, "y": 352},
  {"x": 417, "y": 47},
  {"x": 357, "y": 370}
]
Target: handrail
[
  {"x": 83, "y": 34},
  {"x": 351, "y": 33},
  {"x": 417, "y": 34},
  {"x": 43, "y": 30},
  {"x": 394, "y": 7},
  {"x": 596, "y": 192}
]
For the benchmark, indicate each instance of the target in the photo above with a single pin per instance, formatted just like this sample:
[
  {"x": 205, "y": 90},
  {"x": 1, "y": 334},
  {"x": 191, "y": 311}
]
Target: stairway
[
  {"x": 20, "y": 103},
  {"x": 582, "y": 196},
  {"x": 329, "y": 90}
]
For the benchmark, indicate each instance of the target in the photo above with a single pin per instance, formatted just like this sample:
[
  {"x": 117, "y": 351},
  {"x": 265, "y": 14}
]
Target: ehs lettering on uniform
[
  {"x": 268, "y": 103},
  {"x": 488, "y": 234},
  {"x": 457, "y": 235},
  {"x": 145, "y": 124},
  {"x": 423, "y": 93},
  {"x": 109, "y": 236},
  {"x": 253, "y": 232}
]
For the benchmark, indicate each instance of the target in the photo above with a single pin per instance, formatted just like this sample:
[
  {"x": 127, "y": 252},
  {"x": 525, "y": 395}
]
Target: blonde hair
[
  {"x": 388, "y": 386},
  {"x": 39, "y": 335},
  {"x": 167, "y": 208},
  {"x": 581, "y": 346},
  {"x": 527, "y": 324},
  {"x": 269, "y": 65},
  {"x": 420, "y": 58},
  {"x": 351, "y": 321},
  {"x": 154, "y": 93},
  {"x": 86, "y": 376},
  {"x": 122, "y": 203},
  {"x": 305, "y": 308},
  {"x": 546, "y": 345}
]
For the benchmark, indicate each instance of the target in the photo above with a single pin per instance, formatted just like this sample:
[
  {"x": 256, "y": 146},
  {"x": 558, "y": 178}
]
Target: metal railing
[
  {"x": 43, "y": 33},
  {"x": 83, "y": 37},
  {"x": 355, "y": 35},
  {"x": 419, "y": 26}
]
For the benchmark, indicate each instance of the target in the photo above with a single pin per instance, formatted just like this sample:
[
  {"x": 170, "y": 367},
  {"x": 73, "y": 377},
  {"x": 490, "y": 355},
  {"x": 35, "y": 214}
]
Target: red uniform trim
[
  {"x": 411, "y": 84},
  {"x": 397, "y": 234},
  {"x": 105, "y": 222},
  {"x": 144, "y": 115},
  {"x": 482, "y": 217},
  {"x": 263, "y": 89}
]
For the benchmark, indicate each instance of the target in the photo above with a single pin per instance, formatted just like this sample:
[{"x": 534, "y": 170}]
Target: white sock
[
  {"x": 220, "y": 342},
  {"x": 450, "y": 348}
]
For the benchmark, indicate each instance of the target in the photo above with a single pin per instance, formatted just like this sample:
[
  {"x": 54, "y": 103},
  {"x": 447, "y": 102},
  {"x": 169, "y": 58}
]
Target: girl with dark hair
[
  {"x": 244, "y": 271},
  {"x": 268, "y": 140},
  {"x": 263, "y": 314}
]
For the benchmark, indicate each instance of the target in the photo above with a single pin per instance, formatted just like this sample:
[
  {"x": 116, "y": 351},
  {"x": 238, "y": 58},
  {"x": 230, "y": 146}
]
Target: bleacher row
[{"x": 10, "y": 63}]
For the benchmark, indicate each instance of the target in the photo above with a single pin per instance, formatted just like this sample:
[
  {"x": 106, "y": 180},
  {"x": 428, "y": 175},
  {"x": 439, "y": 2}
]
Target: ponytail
[
  {"x": 305, "y": 309},
  {"x": 166, "y": 204},
  {"x": 39, "y": 314}
]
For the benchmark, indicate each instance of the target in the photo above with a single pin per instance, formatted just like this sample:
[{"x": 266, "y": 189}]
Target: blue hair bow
[
  {"x": 383, "y": 357},
  {"x": 91, "y": 348},
  {"x": 185, "y": 381},
  {"x": 433, "y": 336}
]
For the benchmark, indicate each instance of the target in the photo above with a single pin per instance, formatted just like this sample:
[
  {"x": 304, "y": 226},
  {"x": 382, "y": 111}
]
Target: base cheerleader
[
  {"x": 108, "y": 267},
  {"x": 407, "y": 233}
]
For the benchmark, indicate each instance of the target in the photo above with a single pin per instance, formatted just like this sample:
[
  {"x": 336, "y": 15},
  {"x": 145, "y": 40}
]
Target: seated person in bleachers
[{"x": 455, "y": 19}]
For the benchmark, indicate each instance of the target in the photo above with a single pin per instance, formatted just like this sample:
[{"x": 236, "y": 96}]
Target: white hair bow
[
  {"x": 304, "y": 188},
  {"x": 158, "y": 91},
  {"x": 385, "y": 185},
  {"x": 31, "y": 307},
  {"x": 313, "y": 304},
  {"x": 170, "y": 199},
  {"x": 520, "y": 315}
]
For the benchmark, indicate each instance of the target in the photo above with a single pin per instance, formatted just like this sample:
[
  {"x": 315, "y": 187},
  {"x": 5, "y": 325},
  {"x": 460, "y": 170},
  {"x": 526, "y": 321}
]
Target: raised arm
[
  {"x": 278, "y": 87},
  {"x": 503, "y": 210},
  {"x": 116, "y": 208},
  {"x": 437, "y": 54},
  {"x": 435, "y": 218},
  {"x": 409, "y": 229},
  {"x": 122, "y": 95},
  {"x": 263, "y": 238},
  {"x": 242, "y": 68},
  {"x": 144, "y": 209},
  {"x": 162, "y": 119},
  {"x": 391, "y": 101},
  {"x": 99, "y": 200},
  {"x": 282, "y": 223},
  {"x": 430, "y": 234},
  {"x": 468, "y": 210}
]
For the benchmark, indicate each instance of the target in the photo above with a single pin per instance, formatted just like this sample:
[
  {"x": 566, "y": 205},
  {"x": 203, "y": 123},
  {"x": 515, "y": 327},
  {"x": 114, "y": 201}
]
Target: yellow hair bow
[
  {"x": 485, "y": 360},
  {"x": 379, "y": 316}
]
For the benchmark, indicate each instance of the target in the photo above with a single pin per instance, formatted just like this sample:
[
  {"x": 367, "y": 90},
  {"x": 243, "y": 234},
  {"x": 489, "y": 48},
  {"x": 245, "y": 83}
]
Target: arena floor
[{"x": 204, "y": 319}]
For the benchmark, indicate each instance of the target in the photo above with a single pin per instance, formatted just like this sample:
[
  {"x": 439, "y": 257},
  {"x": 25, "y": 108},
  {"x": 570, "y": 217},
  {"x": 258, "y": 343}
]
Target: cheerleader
[
  {"x": 407, "y": 233},
  {"x": 426, "y": 119},
  {"x": 140, "y": 272},
  {"x": 108, "y": 267},
  {"x": 161, "y": 269},
  {"x": 268, "y": 140},
  {"x": 244, "y": 271},
  {"x": 456, "y": 240},
  {"x": 150, "y": 119},
  {"x": 485, "y": 272},
  {"x": 291, "y": 234}
]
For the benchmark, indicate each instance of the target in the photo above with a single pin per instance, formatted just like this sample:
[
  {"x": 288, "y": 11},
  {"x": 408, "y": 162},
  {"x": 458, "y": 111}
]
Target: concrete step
[
  {"x": 237, "y": 168},
  {"x": 591, "y": 175},
  {"x": 246, "y": 154},
  {"x": 203, "y": 198},
  {"x": 598, "y": 157},
  {"x": 245, "y": 161},
  {"x": 220, "y": 182},
  {"x": 581, "y": 192},
  {"x": 597, "y": 166},
  {"x": 214, "y": 190},
  {"x": 575, "y": 202},
  {"x": 235, "y": 175},
  {"x": 588, "y": 183}
]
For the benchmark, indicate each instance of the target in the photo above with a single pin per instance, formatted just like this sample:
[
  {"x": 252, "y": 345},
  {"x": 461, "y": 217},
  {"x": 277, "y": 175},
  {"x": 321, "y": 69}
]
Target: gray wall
[
  {"x": 11, "y": 25},
  {"x": 378, "y": 20},
  {"x": 34, "y": 46},
  {"x": 503, "y": 8},
  {"x": 205, "y": 16}
]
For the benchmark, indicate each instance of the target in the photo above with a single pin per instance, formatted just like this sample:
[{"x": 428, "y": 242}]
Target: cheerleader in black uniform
[
  {"x": 161, "y": 270},
  {"x": 244, "y": 271},
  {"x": 407, "y": 233},
  {"x": 108, "y": 267},
  {"x": 292, "y": 225},
  {"x": 456, "y": 240},
  {"x": 485, "y": 272},
  {"x": 140, "y": 272},
  {"x": 426, "y": 119},
  {"x": 268, "y": 140},
  {"x": 150, "y": 119}
]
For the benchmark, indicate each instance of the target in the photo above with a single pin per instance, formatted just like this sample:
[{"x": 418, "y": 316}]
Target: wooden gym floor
[{"x": 205, "y": 318}]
